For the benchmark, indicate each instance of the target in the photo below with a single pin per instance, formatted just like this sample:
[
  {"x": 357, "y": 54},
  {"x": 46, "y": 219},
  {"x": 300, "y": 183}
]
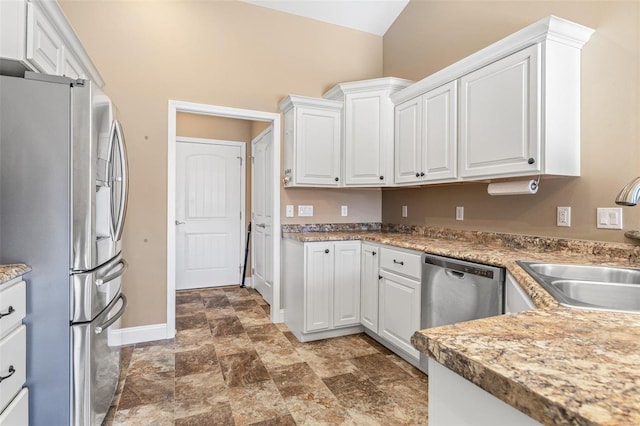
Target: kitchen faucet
[{"x": 630, "y": 193}]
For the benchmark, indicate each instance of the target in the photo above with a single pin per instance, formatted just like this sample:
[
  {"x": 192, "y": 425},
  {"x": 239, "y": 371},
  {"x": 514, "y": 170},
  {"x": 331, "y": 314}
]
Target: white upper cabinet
[
  {"x": 367, "y": 129},
  {"x": 500, "y": 117},
  {"x": 517, "y": 112},
  {"x": 312, "y": 141},
  {"x": 36, "y": 36},
  {"x": 426, "y": 142}
]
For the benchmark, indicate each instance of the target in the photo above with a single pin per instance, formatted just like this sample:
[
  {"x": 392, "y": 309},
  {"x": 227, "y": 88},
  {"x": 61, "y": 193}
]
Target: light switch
[
  {"x": 289, "y": 210},
  {"x": 459, "y": 213},
  {"x": 344, "y": 211},
  {"x": 609, "y": 218},
  {"x": 404, "y": 211}
]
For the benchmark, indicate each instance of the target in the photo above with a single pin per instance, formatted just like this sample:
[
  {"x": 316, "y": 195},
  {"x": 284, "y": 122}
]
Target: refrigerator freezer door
[
  {"x": 96, "y": 366},
  {"x": 94, "y": 290}
]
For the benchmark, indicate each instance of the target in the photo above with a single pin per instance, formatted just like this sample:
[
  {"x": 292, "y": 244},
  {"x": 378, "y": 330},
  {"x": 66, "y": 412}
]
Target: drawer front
[
  {"x": 12, "y": 364},
  {"x": 17, "y": 413},
  {"x": 408, "y": 264},
  {"x": 13, "y": 302}
]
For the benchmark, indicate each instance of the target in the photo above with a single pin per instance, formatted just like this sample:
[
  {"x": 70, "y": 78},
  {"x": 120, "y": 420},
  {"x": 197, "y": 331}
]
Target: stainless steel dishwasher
[{"x": 456, "y": 290}]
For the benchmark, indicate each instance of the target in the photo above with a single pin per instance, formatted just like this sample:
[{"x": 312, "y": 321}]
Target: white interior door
[
  {"x": 209, "y": 210},
  {"x": 261, "y": 214}
]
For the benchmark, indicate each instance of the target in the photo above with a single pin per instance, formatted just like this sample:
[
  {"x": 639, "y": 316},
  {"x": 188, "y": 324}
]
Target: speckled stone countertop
[
  {"x": 9, "y": 272},
  {"x": 557, "y": 365}
]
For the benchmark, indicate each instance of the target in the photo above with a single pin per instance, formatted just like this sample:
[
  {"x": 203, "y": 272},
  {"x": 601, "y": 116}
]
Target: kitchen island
[{"x": 557, "y": 365}]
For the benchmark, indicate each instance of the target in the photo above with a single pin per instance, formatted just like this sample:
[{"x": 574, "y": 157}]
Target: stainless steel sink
[{"x": 589, "y": 287}]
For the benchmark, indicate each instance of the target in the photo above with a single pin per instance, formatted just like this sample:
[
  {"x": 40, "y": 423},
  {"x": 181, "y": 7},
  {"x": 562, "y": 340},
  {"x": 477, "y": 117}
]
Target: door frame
[
  {"x": 277, "y": 314},
  {"x": 243, "y": 180}
]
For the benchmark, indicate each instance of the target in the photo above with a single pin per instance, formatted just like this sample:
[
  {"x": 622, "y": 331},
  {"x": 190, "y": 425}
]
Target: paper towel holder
[{"x": 519, "y": 187}]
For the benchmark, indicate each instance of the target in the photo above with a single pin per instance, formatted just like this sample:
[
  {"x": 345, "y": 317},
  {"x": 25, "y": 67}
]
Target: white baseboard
[{"x": 145, "y": 333}]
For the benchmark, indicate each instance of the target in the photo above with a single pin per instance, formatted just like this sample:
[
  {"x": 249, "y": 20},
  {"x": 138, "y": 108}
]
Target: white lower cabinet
[
  {"x": 399, "y": 311},
  {"x": 391, "y": 294},
  {"x": 14, "y": 400},
  {"x": 321, "y": 282},
  {"x": 369, "y": 283}
]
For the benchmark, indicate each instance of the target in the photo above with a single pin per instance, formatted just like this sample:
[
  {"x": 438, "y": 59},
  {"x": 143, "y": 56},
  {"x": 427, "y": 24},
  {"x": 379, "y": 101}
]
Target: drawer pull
[
  {"x": 11, "y": 373},
  {"x": 9, "y": 312},
  {"x": 401, "y": 263}
]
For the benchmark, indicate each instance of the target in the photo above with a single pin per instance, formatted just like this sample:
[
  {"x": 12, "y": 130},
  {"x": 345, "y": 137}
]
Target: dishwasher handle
[
  {"x": 454, "y": 274},
  {"x": 461, "y": 268}
]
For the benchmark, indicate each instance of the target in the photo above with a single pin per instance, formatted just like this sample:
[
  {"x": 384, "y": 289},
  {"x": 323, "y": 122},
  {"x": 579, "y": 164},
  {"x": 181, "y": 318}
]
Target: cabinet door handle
[
  {"x": 337, "y": 179},
  {"x": 373, "y": 253},
  {"x": 381, "y": 177},
  {"x": 326, "y": 250},
  {"x": 9, "y": 312},
  {"x": 531, "y": 160},
  {"x": 379, "y": 277},
  {"x": 401, "y": 263},
  {"x": 11, "y": 373},
  {"x": 417, "y": 174},
  {"x": 421, "y": 174}
]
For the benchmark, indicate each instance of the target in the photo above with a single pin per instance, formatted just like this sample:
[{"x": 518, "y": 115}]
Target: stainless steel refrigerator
[{"x": 63, "y": 197}]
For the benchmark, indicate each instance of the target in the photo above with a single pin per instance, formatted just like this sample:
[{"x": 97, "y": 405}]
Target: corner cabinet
[
  {"x": 321, "y": 282},
  {"x": 36, "y": 36},
  {"x": 312, "y": 141},
  {"x": 426, "y": 137},
  {"x": 367, "y": 129},
  {"x": 516, "y": 104}
]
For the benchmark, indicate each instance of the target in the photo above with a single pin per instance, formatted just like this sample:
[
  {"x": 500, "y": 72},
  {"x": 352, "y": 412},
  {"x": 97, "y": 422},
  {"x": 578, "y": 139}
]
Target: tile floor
[{"x": 229, "y": 365}]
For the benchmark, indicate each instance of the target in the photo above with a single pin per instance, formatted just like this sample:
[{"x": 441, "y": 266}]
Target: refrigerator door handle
[
  {"x": 99, "y": 329},
  {"x": 108, "y": 278},
  {"x": 124, "y": 179}
]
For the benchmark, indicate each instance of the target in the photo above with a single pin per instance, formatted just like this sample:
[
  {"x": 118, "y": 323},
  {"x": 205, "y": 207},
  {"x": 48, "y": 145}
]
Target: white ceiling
[{"x": 371, "y": 16}]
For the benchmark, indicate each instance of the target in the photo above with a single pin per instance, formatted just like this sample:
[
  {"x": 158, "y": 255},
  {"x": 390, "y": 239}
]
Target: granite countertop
[
  {"x": 557, "y": 365},
  {"x": 9, "y": 272}
]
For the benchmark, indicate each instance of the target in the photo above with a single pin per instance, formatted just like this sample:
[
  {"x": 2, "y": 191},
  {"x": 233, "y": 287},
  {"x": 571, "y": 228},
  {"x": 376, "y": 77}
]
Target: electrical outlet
[
  {"x": 563, "y": 216},
  {"x": 404, "y": 211},
  {"x": 609, "y": 218},
  {"x": 459, "y": 213},
  {"x": 305, "y": 210},
  {"x": 289, "y": 210},
  {"x": 344, "y": 211}
]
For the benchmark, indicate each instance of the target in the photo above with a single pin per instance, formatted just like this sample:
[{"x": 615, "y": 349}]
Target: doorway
[
  {"x": 210, "y": 212},
  {"x": 273, "y": 158}
]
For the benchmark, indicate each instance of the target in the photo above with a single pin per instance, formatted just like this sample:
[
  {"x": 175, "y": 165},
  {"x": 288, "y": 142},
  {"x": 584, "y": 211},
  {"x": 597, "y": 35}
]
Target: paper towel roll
[{"x": 513, "y": 188}]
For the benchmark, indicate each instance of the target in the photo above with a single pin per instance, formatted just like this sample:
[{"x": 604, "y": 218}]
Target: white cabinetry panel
[
  {"x": 318, "y": 286},
  {"x": 44, "y": 45},
  {"x": 408, "y": 141},
  {"x": 399, "y": 311},
  {"x": 500, "y": 116},
  {"x": 369, "y": 286},
  {"x": 439, "y": 139},
  {"x": 346, "y": 284}
]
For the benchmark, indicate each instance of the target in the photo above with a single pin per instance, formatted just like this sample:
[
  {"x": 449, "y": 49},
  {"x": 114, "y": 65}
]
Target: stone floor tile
[
  {"x": 146, "y": 390},
  {"x": 227, "y": 326},
  {"x": 243, "y": 368},
  {"x": 219, "y": 415},
  {"x": 199, "y": 360},
  {"x": 199, "y": 393},
  {"x": 379, "y": 368},
  {"x": 227, "y": 345},
  {"x": 196, "y": 320},
  {"x": 255, "y": 402},
  {"x": 187, "y": 309},
  {"x": 278, "y": 421},
  {"x": 296, "y": 379},
  {"x": 191, "y": 339},
  {"x": 145, "y": 415},
  {"x": 188, "y": 298}
]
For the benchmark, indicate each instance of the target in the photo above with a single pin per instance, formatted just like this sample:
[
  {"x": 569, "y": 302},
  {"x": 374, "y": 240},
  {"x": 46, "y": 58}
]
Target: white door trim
[
  {"x": 219, "y": 111},
  {"x": 243, "y": 181}
]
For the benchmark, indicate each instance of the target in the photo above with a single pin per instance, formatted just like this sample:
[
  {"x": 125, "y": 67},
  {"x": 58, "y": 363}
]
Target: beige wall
[
  {"x": 224, "y": 53},
  {"x": 429, "y": 35}
]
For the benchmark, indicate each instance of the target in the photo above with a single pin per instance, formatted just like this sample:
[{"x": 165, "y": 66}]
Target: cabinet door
[
  {"x": 367, "y": 127},
  {"x": 318, "y": 294},
  {"x": 71, "y": 66},
  {"x": 500, "y": 117},
  {"x": 318, "y": 137},
  {"x": 399, "y": 311},
  {"x": 44, "y": 45},
  {"x": 440, "y": 137},
  {"x": 369, "y": 286},
  {"x": 408, "y": 137},
  {"x": 346, "y": 284}
]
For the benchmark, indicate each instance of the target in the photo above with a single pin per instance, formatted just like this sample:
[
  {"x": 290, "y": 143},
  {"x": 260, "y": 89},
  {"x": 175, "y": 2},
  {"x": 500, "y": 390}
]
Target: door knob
[{"x": 179, "y": 223}]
